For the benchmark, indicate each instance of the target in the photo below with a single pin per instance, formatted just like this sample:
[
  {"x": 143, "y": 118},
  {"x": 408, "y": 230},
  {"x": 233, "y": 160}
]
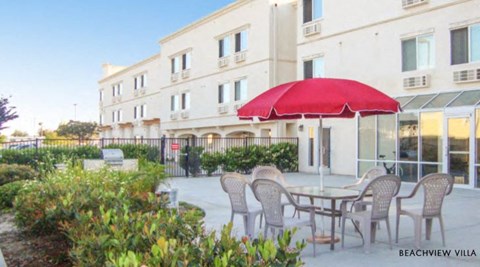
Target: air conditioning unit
[
  {"x": 311, "y": 29},
  {"x": 185, "y": 74},
  {"x": 174, "y": 77},
  {"x": 416, "y": 82},
  {"x": 412, "y": 3},
  {"x": 240, "y": 56},
  {"x": 223, "y": 109},
  {"x": 185, "y": 114},
  {"x": 237, "y": 106},
  {"x": 466, "y": 76},
  {"x": 174, "y": 116},
  {"x": 223, "y": 62}
]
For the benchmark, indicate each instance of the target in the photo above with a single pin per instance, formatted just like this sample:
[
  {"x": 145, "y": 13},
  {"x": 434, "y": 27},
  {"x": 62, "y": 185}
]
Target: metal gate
[{"x": 174, "y": 155}]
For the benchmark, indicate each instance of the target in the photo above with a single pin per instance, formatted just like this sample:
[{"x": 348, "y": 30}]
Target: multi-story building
[{"x": 425, "y": 53}]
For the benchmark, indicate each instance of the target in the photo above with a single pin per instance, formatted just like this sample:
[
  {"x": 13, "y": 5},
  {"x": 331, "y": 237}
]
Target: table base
[{"x": 323, "y": 239}]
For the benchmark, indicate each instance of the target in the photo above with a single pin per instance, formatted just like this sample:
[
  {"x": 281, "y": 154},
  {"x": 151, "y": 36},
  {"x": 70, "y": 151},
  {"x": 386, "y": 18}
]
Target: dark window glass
[
  {"x": 307, "y": 10},
  {"x": 172, "y": 103},
  {"x": 459, "y": 46},
  {"x": 238, "y": 42},
  {"x": 220, "y": 94},
  {"x": 409, "y": 55},
  {"x": 183, "y": 101},
  {"x": 173, "y": 65},
  {"x": 135, "y": 112},
  {"x": 184, "y": 61},
  {"x": 237, "y": 91},
  {"x": 220, "y": 48},
  {"x": 308, "y": 69}
]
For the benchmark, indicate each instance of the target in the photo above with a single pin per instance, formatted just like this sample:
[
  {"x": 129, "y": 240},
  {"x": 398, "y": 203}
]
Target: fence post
[
  {"x": 36, "y": 148},
  {"x": 102, "y": 142},
  {"x": 162, "y": 150},
  {"x": 187, "y": 152}
]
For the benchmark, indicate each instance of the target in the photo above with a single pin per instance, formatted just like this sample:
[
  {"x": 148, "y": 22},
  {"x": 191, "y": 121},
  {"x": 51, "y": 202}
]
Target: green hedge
[
  {"x": 243, "y": 159},
  {"x": 13, "y": 172},
  {"x": 8, "y": 192},
  {"x": 113, "y": 219},
  {"x": 140, "y": 151}
]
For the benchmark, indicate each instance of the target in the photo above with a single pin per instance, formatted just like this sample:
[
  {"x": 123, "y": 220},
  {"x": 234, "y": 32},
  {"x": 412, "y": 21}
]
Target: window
[
  {"x": 135, "y": 112},
  {"x": 175, "y": 65},
  {"x": 241, "y": 90},
  {"x": 465, "y": 44},
  {"x": 314, "y": 68},
  {"x": 143, "y": 111},
  {"x": 312, "y": 10},
  {"x": 174, "y": 103},
  {"x": 101, "y": 119},
  {"x": 113, "y": 116},
  {"x": 119, "y": 115},
  {"x": 101, "y": 95},
  {"x": 186, "y": 61},
  {"x": 224, "y": 93},
  {"x": 117, "y": 89},
  {"x": 241, "y": 41},
  {"x": 418, "y": 53},
  {"x": 140, "y": 81},
  {"x": 185, "y": 101},
  {"x": 224, "y": 47}
]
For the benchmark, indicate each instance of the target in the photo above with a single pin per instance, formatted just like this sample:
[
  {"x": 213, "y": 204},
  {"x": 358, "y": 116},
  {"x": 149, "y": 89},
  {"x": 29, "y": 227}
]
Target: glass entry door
[{"x": 458, "y": 148}]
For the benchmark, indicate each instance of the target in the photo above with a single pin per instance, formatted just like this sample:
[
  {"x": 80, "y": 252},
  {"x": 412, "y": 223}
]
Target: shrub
[
  {"x": 140, "y": 151},
  {"x": 244, "y": 159},
  {"x": 194, "y": 159},
  {"x": 13, "y": 172},
  {"x": 8, "y": 192},
  {"x": 210, "y": 162},
  {"x": 284, "y": 156}
]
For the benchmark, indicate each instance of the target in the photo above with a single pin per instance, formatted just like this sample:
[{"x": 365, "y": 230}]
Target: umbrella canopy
[{"x": 318, "y": 98}]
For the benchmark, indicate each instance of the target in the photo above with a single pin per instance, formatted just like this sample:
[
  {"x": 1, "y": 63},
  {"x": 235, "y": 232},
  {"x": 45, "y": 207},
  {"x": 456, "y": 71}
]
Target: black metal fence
[{"x": 172, "y": 152}]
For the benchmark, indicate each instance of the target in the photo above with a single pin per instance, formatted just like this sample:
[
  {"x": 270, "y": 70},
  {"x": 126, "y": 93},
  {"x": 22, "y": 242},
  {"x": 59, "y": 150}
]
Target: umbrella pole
[{"x": 320, "y": 168}]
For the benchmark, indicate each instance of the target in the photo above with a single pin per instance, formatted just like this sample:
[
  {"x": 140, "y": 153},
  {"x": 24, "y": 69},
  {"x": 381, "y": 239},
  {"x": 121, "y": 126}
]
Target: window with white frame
[
  {"x": 135, "y": 112},
  {"x": 465, "y": 44},
  {"x": 117, "y": 89},
  {"x": 100, "y": 121},
  {"x": 312, "y": 10},
  {"x": 175, "y": 65},
  {"x": 174, "y": 103},
  {"x": 101, "y": 95},
  {"x": 119, "y": 115},
  {"x": 114, "y": 115},
  {"x": 224, "y": 93},
  {"x": 241, "y": 41},
  {"x": 418, "y": 53},
  {"x": 224, "y": 47},
  {"x": 143, "y": 111},
  {"x": 186, "y": 101},
  {"x": 140, "y": 81},
  {"x": 241, "y": 90},
  {"x": 314, "y": 68},
  {"x": 186, "y": 61}
]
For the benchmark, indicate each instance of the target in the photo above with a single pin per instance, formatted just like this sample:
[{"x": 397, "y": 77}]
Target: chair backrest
[
  {"x": 269, "y": 172},
  {"x": 373, "y": 173},
  {"x": 269, "y": 193},
  {"x": 234, "y": 184},
  {"x": 383, "y": 189},
  {"x": 436, "y": 186}
]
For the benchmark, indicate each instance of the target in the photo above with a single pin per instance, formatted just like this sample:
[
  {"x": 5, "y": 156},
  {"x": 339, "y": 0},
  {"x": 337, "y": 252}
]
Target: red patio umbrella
[{"x": 318, "y": 98}]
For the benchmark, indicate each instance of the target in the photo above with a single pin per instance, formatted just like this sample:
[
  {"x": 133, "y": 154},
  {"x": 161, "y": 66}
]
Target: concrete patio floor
[{"x": 461, "y": 212}]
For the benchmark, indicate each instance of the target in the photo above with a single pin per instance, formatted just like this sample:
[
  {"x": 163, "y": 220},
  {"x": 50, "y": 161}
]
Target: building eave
[{"x": 129, "y": 68}]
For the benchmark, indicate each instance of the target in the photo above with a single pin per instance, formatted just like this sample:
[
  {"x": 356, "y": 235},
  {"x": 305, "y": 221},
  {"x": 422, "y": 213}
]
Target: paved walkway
[{"x": 461, "y": 212}]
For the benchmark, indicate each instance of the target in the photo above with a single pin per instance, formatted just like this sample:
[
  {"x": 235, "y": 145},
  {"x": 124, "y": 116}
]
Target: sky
[{"x": 51, "y": 51}]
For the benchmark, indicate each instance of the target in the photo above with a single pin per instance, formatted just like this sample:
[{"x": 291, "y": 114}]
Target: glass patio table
[{"x": 329, "y": 193}]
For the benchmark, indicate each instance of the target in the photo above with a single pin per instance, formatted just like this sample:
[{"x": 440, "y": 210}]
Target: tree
[
  {"x": 7, "y": 113},
  {"x": 18, "y": 133},
  {"x": 77, "y": 129}
]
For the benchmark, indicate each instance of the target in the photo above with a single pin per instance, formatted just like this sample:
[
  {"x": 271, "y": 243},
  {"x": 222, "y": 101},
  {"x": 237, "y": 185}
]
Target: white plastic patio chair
[
  {"x": 270, "y": 193},
  {"x": 435, "y": 187},
  {"x": 274, "y": 174},
  {"x": 234, "y": 185},
  {"x": 382, "y": 189}
]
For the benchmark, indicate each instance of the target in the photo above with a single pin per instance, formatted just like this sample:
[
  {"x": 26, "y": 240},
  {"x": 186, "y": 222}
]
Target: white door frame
[{"x": 460, "y": 113}]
